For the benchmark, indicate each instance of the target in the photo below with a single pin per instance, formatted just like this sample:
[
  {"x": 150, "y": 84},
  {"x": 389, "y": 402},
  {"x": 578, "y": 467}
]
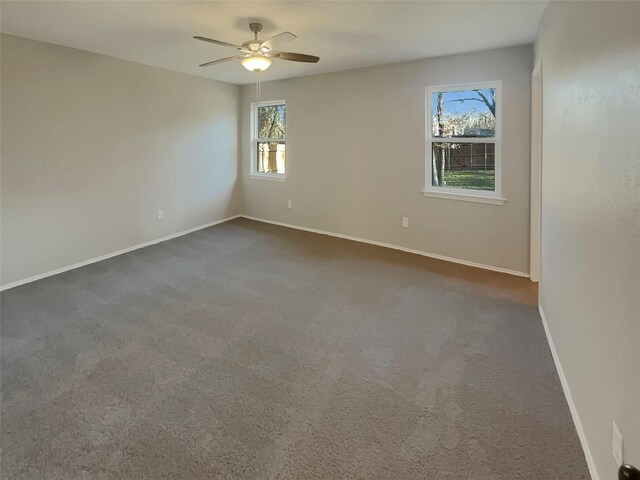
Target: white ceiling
[{"x": 344, "y": 35}]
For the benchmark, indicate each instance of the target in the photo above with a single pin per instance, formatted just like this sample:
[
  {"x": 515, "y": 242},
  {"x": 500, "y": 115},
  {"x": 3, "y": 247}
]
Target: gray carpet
[{"x": 250, "y": 351}]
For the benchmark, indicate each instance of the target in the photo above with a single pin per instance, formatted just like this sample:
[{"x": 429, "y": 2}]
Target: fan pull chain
[{"x": 259, "y": 88}]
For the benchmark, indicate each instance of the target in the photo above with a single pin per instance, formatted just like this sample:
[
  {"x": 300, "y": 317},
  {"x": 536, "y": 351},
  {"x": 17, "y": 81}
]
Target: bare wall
[
  {"x": 93, "y": 146},
  {"x": 590, "y": 275},
  {"x": 356, "y": 158}
]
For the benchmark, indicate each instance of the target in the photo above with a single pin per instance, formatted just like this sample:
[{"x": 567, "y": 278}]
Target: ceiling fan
[{"x": 256, "y": 55}]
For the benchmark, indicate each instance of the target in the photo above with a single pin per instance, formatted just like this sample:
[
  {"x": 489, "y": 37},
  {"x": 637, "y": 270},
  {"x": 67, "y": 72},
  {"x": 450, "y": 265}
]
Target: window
[
  {"x": 463, "y": 142},
  {"x": 268, "y": 144}
]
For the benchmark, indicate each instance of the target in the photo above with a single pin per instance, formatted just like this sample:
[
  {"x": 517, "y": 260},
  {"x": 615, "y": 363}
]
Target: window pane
[
  {"x": 464, "y": 165},
  {"x": 465, "y": 113},
  {"x": 271, "y": 157},
  {"x": 272, "y": 121}
]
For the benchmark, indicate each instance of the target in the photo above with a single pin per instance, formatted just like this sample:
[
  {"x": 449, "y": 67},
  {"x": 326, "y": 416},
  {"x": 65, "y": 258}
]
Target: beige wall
[
  {"x": 93, "y": 146},
  {"x": 356, "y": 158},
  {"x": 590, "y": 283}
]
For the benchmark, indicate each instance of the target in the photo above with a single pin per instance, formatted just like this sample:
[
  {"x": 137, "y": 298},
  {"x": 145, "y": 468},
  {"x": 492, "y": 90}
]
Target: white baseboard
[
  {"x": 567, "y": 393},
  {"x": 322, "y": 232},
  {"x": 388, "y": 245},
  {"x": 113, "y": 254}
]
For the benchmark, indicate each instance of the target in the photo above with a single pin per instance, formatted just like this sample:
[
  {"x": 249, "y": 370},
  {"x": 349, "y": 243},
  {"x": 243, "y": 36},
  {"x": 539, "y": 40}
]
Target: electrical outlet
[
  {"x": 290, "y": 204},
  {"x": 160, "y": 215},
  {"x": 617, "y": 444},
  {"x": 405, "y": 222}
]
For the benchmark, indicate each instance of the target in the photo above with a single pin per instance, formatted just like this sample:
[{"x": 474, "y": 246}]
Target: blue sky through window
[{"x": 451, "y": 106}]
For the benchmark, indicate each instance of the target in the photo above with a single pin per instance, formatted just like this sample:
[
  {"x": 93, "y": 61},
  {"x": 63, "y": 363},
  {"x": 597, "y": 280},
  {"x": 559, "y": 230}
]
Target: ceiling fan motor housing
[{"x": 252, "y": 45}]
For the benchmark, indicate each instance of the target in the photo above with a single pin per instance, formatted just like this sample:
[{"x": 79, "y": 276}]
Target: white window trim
[
  {"x": 481, "y": 196},
  {"x": 253, "y": 171}
]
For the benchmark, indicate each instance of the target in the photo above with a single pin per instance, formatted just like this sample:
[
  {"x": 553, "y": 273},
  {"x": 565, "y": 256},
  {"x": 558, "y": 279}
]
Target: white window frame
[
  {"x": 481, "y": 196},
  {"x": 278, "y": 177}
]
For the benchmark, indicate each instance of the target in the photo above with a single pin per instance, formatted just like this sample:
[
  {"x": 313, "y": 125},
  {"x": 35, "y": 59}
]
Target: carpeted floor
[{"x": 250, "y": 351}]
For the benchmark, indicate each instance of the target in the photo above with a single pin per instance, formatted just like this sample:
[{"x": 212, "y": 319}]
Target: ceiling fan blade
[
  {"x": 222, "y": 60},
  {"x": 277, "y": 40},
  {"x": 218, "y": 42},
  {"x": 295, "y": 57}
]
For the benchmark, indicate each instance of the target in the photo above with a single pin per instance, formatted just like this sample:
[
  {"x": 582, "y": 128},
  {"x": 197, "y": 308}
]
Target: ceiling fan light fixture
[{"x": 256, "y": 63}]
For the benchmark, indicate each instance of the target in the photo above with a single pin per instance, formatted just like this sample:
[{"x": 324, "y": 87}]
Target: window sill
[
  {"x": 465, "y": 197},
  {"x": 266, "y": 176}
]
